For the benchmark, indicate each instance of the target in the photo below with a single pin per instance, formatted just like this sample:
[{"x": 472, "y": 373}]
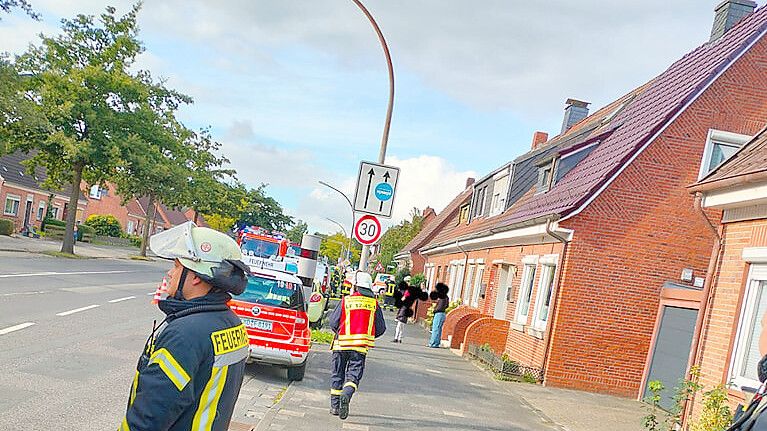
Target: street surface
[{"x": 71, "y": 332}]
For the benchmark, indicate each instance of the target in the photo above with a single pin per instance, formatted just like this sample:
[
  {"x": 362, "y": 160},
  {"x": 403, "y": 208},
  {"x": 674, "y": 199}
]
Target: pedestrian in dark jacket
[
  {"x": 439, "y": 295},
  {"x": 189, "y": 375}
]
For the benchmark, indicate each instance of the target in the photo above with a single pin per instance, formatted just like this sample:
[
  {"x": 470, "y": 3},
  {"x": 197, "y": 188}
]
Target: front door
[{"x": 504, "y": 280}]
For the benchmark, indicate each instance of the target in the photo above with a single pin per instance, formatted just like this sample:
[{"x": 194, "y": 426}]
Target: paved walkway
[
  {"x": 18, "y": 243},
  {"x": 411, "y": 387}
]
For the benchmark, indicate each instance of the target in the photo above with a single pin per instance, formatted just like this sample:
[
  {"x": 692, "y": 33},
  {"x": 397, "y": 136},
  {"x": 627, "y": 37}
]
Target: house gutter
[
  {"x": 555, "y": 293},
  {"x": 713, "y": 262}
]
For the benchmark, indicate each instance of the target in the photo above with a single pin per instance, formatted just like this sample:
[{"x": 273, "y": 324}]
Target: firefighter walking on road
[
  {"x": 357, "y": 321},
  {"x": 189, "y": 374}
]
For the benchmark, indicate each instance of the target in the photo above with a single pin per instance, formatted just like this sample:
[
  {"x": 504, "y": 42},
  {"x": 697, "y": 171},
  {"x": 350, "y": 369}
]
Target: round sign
[
  {"x": 367, "y": 230},
  {"x": 384, "y": 191}
]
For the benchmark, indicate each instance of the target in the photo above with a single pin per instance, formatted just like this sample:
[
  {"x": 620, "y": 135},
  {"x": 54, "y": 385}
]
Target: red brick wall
[
  {"x": 452, "y": 319},
  {"x": 107, "y": 205},
  {"x": 717, "y": 338},
  {"x": 487, "y": 330},
  {"x": 459, "y": 331},
  {"x": 640, "y": 232},
  {"x": 37, "y": 196}
]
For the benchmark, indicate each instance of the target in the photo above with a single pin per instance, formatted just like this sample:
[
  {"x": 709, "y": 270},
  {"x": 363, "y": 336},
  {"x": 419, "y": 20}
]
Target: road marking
[
  {"x": 429, "y": 370},
  {"x": 477, "y": 385},
  {"x": 455, "y": 414},
  {"x": 16, "y": 328},
  {"x": 77, "y": 310},
  {"x": 25, "y": 293},
  {"x": 44, "y": 274},
  {"x": 121, "y": 299}
]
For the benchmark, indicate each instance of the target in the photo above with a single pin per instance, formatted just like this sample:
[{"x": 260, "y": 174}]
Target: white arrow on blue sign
[{"x": 376, "y": 187}]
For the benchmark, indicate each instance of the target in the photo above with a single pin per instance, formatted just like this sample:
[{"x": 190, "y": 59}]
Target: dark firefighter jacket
[{"x": 189, "y": 376}]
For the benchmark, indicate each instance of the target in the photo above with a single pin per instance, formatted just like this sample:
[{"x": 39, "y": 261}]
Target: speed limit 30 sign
[{"x": 367, "y": 230}]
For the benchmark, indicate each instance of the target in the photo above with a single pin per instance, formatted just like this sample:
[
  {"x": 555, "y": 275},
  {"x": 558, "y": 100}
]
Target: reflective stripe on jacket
[{"x": 357, "y": 320}]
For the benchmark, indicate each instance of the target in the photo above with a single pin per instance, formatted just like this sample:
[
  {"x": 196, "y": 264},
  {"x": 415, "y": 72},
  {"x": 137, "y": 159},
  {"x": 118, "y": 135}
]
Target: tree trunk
[
  {"x": 196, "y": 216},
  {"x": 68, "y": 246},
  {"x": 147, "y": 225}
]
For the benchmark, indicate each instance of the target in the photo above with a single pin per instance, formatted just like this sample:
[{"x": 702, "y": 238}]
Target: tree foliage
[
  {"x": 396, "y": 237},
  {"x": 258, "y": 209},
  {"x": 7, "y": 5},
  {"x": 296, "y": 233},
  {"x": 334, "y": 245}
]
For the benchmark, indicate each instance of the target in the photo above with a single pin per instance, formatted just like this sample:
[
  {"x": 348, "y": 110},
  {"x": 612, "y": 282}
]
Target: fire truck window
[
  {"x": 272, "y": 292},
  {"x": 260, "y": 248}
]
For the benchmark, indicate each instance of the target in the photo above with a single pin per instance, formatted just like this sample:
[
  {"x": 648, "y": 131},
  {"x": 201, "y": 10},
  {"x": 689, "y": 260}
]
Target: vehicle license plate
[{"x": 257, "y": 324}]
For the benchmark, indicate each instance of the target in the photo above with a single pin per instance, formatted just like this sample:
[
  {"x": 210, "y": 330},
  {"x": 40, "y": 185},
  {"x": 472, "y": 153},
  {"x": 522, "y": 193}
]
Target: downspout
[
  {"x": 555, "y": 293},
  {"x": 465, "y": 265},
  {"x": 713, "y": 262}
]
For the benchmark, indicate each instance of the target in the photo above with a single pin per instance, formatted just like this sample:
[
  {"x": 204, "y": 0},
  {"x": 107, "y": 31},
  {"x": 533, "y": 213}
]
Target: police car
[{"x": 273, "y": 310}]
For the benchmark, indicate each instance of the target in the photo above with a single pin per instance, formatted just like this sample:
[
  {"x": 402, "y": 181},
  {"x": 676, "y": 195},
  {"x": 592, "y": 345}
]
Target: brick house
[
  {"x": 103, "y": 200},
  {"x": 24, "y": 201},
  {"x": 597, "y": 251},
  {"x": 728, "y": 350},
  {"x": 408, "y": 256}
]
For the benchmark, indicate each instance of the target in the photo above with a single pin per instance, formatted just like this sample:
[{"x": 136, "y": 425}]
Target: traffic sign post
[
  {"x": 376, "y": 186},
  {"x": 367, "y": 230}
]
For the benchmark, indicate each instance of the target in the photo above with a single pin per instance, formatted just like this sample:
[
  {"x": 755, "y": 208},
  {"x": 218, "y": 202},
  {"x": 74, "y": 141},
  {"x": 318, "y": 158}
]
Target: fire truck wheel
[{"x": 296, "y": 374}]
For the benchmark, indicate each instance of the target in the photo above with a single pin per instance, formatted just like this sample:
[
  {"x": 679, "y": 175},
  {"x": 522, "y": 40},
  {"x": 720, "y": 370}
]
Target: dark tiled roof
[
  {"x": 750, "y": 159},
  {"x": 14, "y": 171},
  {"x": 438, "y": 225},
  {"x": 664, "y": 97},
  {"x": 175, "y": 216}
]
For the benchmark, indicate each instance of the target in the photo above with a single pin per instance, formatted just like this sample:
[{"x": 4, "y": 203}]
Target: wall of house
[
  {"x": 109, "y": 204},
  {"x": 641, "y": 231},
  {"x": 720, "y": 327},
  {"x": 24, "y": 195}
]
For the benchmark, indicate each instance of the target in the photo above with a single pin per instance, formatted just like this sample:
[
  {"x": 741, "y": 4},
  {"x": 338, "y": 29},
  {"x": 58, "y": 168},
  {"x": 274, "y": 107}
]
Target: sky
[{"x": 296, "y": 91}]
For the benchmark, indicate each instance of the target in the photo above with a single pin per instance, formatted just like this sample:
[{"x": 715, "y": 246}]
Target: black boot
[{"x": 343, "y": 410}]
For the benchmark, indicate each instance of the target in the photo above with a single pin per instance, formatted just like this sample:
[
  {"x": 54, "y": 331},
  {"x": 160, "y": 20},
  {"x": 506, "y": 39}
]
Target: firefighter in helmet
[
  {"x": 189, "y": 374},
  {"x": 357, "y": 321}
]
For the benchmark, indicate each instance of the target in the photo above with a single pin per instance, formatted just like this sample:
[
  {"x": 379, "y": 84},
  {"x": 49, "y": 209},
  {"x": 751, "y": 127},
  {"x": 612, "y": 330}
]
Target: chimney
[
  {"x": 469, "y": 182},
  {"x": 727, "y": 14},
  {"x": 575, "y": 111},
  {"x": 539, "y": 138}
]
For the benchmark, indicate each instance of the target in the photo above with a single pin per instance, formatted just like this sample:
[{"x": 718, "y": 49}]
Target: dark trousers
[{"x": 347, "y": 368}]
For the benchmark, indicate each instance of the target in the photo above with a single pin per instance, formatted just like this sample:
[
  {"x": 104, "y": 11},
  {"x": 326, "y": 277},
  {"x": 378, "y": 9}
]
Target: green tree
[
  {"x": 396, "y": 237},
  {"x": 334, "y": 246},
  {"x": 296, "y": 233},
  {"x": 258, "y": 209},
  {"x": 81, "y": 83},
  {"x": 7, "y": 5}
]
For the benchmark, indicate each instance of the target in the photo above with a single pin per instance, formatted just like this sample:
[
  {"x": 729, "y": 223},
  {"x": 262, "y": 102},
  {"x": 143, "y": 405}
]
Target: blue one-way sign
[{"x": 376, "y": 186}]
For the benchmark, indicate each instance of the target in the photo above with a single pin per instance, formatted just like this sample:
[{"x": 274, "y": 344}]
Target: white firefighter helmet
[
  {"x": 363, "y": 279},
  {"x": 212, "y": 255}
]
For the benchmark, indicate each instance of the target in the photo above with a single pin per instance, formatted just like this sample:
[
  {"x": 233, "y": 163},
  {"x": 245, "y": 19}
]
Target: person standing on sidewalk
[
  {"x": 440, "y": 295},
  {"x": 189, "y": 375},
  {"x": 357, "y": 321}
]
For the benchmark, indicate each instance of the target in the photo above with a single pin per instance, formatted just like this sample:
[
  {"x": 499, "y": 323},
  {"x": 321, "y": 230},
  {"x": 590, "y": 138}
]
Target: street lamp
[
  {"x": 349, "y": 248},
  {"x": 387, "y": 123},
  {"x": 351, "y": 207}
]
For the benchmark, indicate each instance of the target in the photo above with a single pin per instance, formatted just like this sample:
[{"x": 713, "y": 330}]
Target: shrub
[
  {"x": 84, "y": 229},
  {"x": 716, "y": 415},
  {"x": 54, "y": 222},
  {"x": 105, "y": 225},
  {"x": 6, "y": 227}
]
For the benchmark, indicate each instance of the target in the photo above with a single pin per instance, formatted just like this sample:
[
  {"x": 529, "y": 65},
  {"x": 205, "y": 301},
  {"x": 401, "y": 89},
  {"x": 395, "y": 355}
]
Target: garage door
[{"x": 671, "y": 351}]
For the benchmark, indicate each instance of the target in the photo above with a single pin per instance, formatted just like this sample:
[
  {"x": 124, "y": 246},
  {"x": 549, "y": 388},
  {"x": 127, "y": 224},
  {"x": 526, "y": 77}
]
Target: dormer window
[
  {"x": 545, "y": 175},
  {"x": 479, "y": 202},
  {"x": 463, "y": 214},
  {"x": 720, "y": 146},
  {"x": 500, "y": 190}
]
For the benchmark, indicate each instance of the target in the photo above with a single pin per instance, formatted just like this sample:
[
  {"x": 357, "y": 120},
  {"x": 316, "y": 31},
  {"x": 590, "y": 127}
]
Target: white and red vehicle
[
  {"x": 268, "y": 249},
  {"x": 274, "y": 313}
]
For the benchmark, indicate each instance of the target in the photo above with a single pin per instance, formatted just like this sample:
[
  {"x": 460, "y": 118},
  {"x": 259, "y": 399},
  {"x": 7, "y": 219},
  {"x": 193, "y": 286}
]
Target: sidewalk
[
  {"x": 41, "y": 245},
  {"x": 410, "y": 386}
]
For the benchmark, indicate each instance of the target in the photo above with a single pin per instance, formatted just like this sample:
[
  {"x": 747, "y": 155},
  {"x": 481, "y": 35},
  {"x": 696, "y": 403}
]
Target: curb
[{"x": 266, "y": 422}]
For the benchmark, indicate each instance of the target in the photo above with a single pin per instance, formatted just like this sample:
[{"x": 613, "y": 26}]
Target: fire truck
[{"x": 270, "y": 250}]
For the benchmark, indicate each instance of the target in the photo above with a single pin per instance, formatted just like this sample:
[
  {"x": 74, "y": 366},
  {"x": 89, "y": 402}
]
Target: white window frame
[
  {"x": 466, "y": 291},
  {"x": 480, "y": 273},
  {"x": 130, "y": 226},
  {"x": 12, "y": 198},
  {"x": 500, "y": 191},
  {"x": 40, "y": 208},
  {"x": 719, "y": 137},
  {"x": 541, "y": 186},
  {"x": 757, "y": 275},
  {"x": 547, "y": 269},
  {"x": 95, "y": 192},
  {"x": 457, "y": 288},
  {"x": 526, "y": 283},
  {"x": 55, "y": 211}
]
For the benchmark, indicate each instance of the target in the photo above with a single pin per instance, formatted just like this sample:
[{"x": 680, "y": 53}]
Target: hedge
[
  {"x": 106, "y": 225},
  {"x": 84, "y": 229},
  {"x": 6, "y": 227},
  {"x": 54, "y": 222}
]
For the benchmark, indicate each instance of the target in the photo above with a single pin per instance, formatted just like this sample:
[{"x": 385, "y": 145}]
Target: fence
[
  {"x": 503, "y": 366},
  {"x": 57, "y": 232}
]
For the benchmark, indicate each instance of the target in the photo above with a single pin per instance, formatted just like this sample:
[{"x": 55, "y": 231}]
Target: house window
[
  {"x": 131, "y": 225},
  {"x": 500, "y": 189},
  {"x": 456, "y": 292},
  {"x": 11, "y": 205},
  {"x": 41, "y": 210},
  {"x": 543, "y": 301},
  {"x": 525, "y": 293},
  {"x": 467, "y": 286},
  {"x": 720, "y": 146},
  {"x": 55, "y": 212},
  {"x": 747, "y": 356},
  {"x": 477, "y": 286},
  {"x": 544, "y": 178},
  {"x": 463, "y": 217},
  {"x": 95, "y": 192}
]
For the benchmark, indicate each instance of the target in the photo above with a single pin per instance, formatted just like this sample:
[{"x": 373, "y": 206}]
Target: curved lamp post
[{"x": 351, "y": 207}]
